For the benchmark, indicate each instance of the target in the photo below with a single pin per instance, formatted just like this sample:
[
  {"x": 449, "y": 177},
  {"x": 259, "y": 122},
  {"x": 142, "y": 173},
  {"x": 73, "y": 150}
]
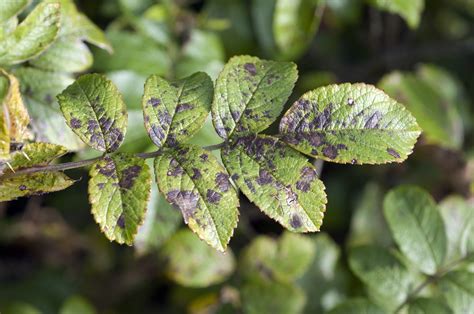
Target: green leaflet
[
  {"x": 192, "y": 263},
  {"x": 39, "y": 154},
  {"x": 350, "y": 123},
  {"x": 284, "y": 260},
  {"x": 32, "y": 36},
  {"x": 194, "y": 181},
  {"x": 94, "y": 109},
  {"x": 387, "y": 278},
  {"x": 458, "y": 290},
  {"x": 428, "y": 305},
  {"x": 357, "y": 306},
  {"x": 174, "y": 112},
  {"x": 417, "y": 227},
  {"x": 250, "y": 94},
  {"x": 294, "y": 25},
  {"x": 410, "y": 10},
  {"x": 10, "y": 8},
  {"x": 280, "y": 181},
  {"x": 119, "y": 190},
  {"x": 38, "y": 88}
]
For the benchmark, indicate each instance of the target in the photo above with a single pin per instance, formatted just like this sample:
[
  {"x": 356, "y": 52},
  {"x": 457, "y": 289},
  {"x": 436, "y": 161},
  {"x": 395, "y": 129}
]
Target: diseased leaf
[
  {"x": 32, "y": 36},
  {"x": 428, "y": 305},
  {"x": 192, "y": 263},
  {"x": 119, "y": 190},
  {"x": 294, "y": 25},
  {"x": 458, "y": 290},
  {"x": 35, "y": 154},
  {"x": 284, "y": 260},
  {"x": 357, "y": 306},
  {"x": 350, "y": 123},
  {"x": 264, "y": 296},
  {"x": 174, "y": 112},
  {"x": 250, "y": 94},
  {"x": 38, "y": 89},
  {"x": 458, "y": 217},
  {"x": 10, "y": 8},
  {"x": 193, "y": 180},
  {"x": 94, "y": 109},
  {"x": 416, "y": 226},
  {"x": 33, "y": 184},
  {"x": 386, "y": 277},
  {"x": 409, "y": 10},
  {"x": 280, "y": 181}
]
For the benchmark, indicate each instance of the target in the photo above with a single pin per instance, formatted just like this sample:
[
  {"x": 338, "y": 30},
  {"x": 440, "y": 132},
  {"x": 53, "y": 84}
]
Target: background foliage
[{"x": 369, "y": 257}]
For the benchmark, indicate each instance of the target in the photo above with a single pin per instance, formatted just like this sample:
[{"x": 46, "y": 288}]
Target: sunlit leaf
[
  {"x": 192, "y": 180},
  {"x": 119, "y": 190},
  {"x": 458, "y": 290},
  {"x": 280, "y": 181},
  {"x": 174, "y": 112},
  {"x": 192, "y": 263},
  {"x": 94, "y": 109},
  {"x": 417, "y": 226},
  {"x": 10, "y": 8},
  {"x": 410, "y": 10},
  {"x": 350, "y": 123},
  {"x": 250, "y": 94}
]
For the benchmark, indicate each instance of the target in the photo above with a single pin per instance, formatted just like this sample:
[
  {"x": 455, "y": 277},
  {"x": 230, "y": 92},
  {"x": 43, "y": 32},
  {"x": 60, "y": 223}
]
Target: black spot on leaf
[
  {"x": 373, "y": 121},
  {"x": 264, "y": 177},
  {"x": 128, "y": 176},
  {"x": 204, "y": 157},
  {"x": 295, "y": 221},
  {"x": 186, "y": 201},
  {"x": 155, "y": 102},
  {"x": 308, "y": 174},
  {"x": 330, "y": 151},
  {"x": 75, "y": 123},
  {"x": 213, "y": 197},
  {"x": 183, "y": 107},
  {"x": 250, "y": 68},
  {"x": 121, "y": 222},
  {"x": 108, "y": 169},
  {"x": 393, "y": 152},
  {"x": 196, "y": 174},
  {"x": 222, "y": 181},
  {"x": 22, "y": 187}
]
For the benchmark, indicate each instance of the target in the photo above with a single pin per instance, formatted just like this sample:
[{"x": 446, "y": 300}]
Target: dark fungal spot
[
  {"x": 249, "y": 185},
  {"x": 155, "y": 102},
  {"x": 250, "y": 67},
  {"x": 235, "y": 115},
  {"x": 204, "y": 157},
  {"x": 235, "y": 177},
  {"x": 308, "y": 174},
  {"x": 183, "y": 107},
  {"x": 22, "y": 187},
  {"x": 341, "y": 146},
  {"x": 222, "y": 181},
  {"x": 264, "y": 177},
  {"x": 186, "y": 201},
  {"x": 175, "y": 169},
  {"x": 330, "y": 151},
  {"x": 213, "y": 197},
  {"x": 108, "y": 169},
  {"x": 128, "y": 176},
  {"x": 121, "y": 222},
  {"x": 295, "y": 221},
  {"x": 196, "y": 174},
  {"x": 373, "y": 121},
  {"x": 114, "y": 138},
  {"x": 75, "y": 123},
  {"x": 393, "y": 152}
]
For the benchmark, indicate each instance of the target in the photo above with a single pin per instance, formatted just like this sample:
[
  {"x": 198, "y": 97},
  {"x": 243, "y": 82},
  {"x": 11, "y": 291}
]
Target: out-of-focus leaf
[
  {"x": 119, "y": 190},
  {"x": 264, "y": 296},
  {"x": 20, "y": 308},
  {"x": 458, "y": 217},
  {"x": 137, "y": 139},
  {"x": 130, "y": 85},
  {"x": 324, "y": 281},
  {"x": 135, "y": 53},
  {"x": 77, "y": 305},
  {"x": 279, "y": 180},
  {"x": 434, "y": 103},
  {"x": 262, "y": 18},
  {"x": 458, "y": 290},
  {"x": 10, "y": 8},
  {"x": 174, "y": 112},
  {"x": 428, "y": 305},
  {"x": 202, "y": 52},
  {"x": 192, "y": 263},
  {"x": 250, "y": 94},
  {"x": 194, "y": 181},
  {"x": 386, "y": 277},
  {"x": 350, "y": 123},
  {"x": 32, "y": 36},
  {"x": 416, "y": 226},
  {"x": 38, "y": 89},
  {"x": 410, "y": 10},
  {"x": 368, "y": 225},
  {"x": 284, "y": 260},
  {"x": 294, "y": 25},
  {"x": 94, "y": 109},
  {"x": 357, "y": 306}
]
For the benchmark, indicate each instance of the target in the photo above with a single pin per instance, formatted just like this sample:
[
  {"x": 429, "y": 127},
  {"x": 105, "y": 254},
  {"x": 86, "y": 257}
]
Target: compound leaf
[
  {"x": 32, "y": 36},
  {"x": 193, "y": 180},
  {"x": 350, "y": 123},
  {"x": 95, "y": 111},
  {"x": 417, "y": 226},
  {"x": 410, "y": 10},
  {"x": 119, "y": 190},
  {"x": 250, "y": 94},
  {"x": 457, "y": 288},
  {"x": 192, "y": 263},
  {"x": 174, "y": 112},
  {"x": 279, "y": 180}
]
